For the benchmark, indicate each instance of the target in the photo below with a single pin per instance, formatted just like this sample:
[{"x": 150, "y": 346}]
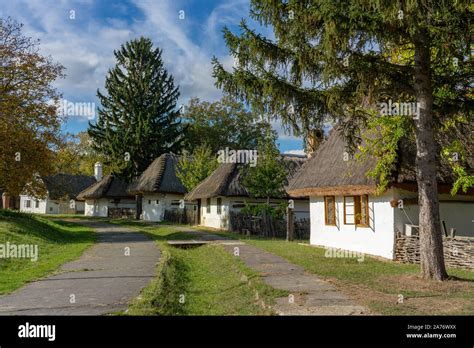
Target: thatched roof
[
  {"x": 109, "y": 187},
  {"x": 66, "y": 186},
  {"x": 160, "y": 176},
  {"x": 227, "y": 180},
  {"x": 329, "y": 172}
]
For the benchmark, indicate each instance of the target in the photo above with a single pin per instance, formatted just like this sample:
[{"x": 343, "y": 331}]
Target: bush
[{"x": 259, "y": 210}]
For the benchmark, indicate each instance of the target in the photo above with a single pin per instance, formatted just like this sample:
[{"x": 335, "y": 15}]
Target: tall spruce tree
[
  {"x": 138, "y": 120},
  {"x": 334, "y": 57}
]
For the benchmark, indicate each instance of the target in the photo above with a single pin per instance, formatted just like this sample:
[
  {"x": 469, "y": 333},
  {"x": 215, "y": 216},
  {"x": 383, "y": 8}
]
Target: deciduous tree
[{"x": 29, "y": 123}]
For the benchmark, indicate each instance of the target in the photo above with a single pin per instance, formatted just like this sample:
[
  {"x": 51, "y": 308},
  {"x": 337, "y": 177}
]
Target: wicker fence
[
  {"x": 458, "y": 252},
  {"x": 267, "y": 226}
]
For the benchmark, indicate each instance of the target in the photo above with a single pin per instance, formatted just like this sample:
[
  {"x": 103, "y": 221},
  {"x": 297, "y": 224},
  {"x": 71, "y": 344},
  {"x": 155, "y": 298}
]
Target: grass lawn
[
  {"x": 58, "y": 242},
  {"x": 377, "y": 283},
  {"x": 204, "y": 280}
]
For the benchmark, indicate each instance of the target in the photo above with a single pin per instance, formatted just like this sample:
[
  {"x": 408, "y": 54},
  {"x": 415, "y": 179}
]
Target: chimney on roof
[
  {"x": 98, "y": 171},
  {"x": 314, "y": 138}
]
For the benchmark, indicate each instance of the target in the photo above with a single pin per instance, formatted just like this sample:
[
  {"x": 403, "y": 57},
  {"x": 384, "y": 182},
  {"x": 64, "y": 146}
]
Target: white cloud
[
  {"x": 295, "y": 152},
  {"x": 85, "y": 45}
]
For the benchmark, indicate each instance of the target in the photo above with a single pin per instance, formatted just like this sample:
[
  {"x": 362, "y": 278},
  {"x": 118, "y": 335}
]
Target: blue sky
[{"x": 85, "y": 44}]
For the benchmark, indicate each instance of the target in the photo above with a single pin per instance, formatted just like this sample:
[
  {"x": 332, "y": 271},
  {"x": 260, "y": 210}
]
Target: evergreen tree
[
  {"x": 335, "y": 57},
  {"x": 138, "y": 120}
]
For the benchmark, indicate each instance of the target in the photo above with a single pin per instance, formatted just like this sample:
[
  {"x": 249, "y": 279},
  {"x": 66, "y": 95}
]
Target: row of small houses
[{"x": 329, "y": 190}]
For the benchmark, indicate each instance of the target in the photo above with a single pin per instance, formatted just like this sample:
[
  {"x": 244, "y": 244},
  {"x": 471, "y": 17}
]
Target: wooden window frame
[
  {"x": 326, "y": 220},
  {"x": 358, "y": 200},
  {"x": 367, "y": 222},
  {"x": 208, "y": 205}
]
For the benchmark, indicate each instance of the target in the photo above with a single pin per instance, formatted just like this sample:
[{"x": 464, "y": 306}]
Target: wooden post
[
  {"x": 138, "y": 202},
  {"x": 290, "y": 224},
  {"x": 452, "y": 232}
]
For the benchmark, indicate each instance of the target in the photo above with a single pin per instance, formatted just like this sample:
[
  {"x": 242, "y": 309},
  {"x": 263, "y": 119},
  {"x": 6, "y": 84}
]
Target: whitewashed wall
[
  {"x": 378, "y": 239},
  {"x": 100, "y": 207},
  {"x": 221, "y": 221},
  {"x": 32, "y": 209},
  {"x": 154, "y": 206},
  {"x": 80, "y": 207},
  {"x": 212, "y": 219},
  {"x": 459, "y": 215},
  {"x": 96, "y": 207},
  {"x": 48, "y": 206}
]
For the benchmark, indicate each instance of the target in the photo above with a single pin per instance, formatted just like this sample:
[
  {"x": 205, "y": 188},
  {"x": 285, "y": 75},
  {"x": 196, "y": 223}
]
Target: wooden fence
[
  {"x": 458, "y": 251},
  {"x": 119, "y": 213},
  {"x": 267, "y": 226},
  {"x": 187, "y": 215}
]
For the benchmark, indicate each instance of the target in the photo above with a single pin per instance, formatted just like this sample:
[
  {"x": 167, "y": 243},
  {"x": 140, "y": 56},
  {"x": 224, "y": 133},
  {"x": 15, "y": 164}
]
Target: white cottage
[
  {"x": 223, "y": 192},
  {"x": 346, "y": 213},
  {"x": 160, "y": 188},
  {"x": 61, "y": 195},
  {"x": 107, "y": 197}
]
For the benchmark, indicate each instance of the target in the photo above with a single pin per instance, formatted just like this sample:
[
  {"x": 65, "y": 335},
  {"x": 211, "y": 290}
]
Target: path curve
[{"x": 103, "y": 280}]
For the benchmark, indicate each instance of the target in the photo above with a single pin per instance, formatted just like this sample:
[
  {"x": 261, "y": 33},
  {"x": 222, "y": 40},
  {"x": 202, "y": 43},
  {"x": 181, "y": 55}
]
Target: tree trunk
[{"x": 431, "y": 240}]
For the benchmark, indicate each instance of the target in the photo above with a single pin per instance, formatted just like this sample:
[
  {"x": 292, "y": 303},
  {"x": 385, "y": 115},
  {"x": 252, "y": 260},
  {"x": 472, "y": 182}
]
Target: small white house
[
  {"x": 61, "y": 195},
  {"x": 346, "y": 213},
  {"x": 107, "y": 197},
  {"x": 160, "y": 188},
  {"x": 223, "y": 192}
]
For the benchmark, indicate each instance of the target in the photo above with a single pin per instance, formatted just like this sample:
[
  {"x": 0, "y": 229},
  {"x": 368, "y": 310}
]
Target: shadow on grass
[{"x": 57, "y": 231}]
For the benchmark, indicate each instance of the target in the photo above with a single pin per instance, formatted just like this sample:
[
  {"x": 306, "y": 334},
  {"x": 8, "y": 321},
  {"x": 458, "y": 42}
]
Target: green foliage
[
  {"x": 261, "y": 209},
  {"x": 463, "y": 182},
  {"x": 268, "y": 178},
  {"x": 339, "y": 59},
  {"x": 76, "y": 156},
  {"x": 381, "y": 141},
  {"x": 196, "y": 167},
  {"x": 29, "y": 124},
  {"x": 225, "y": 123},
  {"x": 138, "y": 120},
  {"x": 456, "y": 153}
]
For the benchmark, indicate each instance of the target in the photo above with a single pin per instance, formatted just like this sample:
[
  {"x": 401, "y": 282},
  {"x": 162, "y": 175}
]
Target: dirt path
[{"x": 101, "y": 281}]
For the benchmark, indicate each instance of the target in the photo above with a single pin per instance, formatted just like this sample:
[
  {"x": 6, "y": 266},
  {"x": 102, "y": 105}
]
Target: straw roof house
[
  {"x": 110, "y": 192},
  {"x": 160, "y": 176},
  {"x": 160, "y": 188},
  {"x": 61, "y": 195},
  {"x": 224, "y": 192},
  {"x": 347, "y": 213},
  {"x": 227, "y": 180}
]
